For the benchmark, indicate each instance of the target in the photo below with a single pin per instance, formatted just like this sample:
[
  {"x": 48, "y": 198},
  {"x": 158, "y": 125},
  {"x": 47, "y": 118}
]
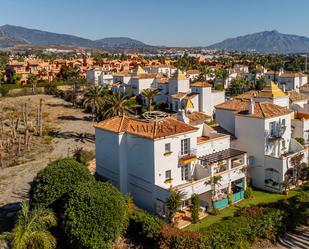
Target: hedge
[
  {"x": 94, "y": 216},
  {"x": 145, "y": 224},
  {"x": 55, "y": 181}
]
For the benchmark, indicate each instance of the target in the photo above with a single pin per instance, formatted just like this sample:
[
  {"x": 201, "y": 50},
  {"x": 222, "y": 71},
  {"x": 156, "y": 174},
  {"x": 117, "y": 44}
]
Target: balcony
[
  {"x": 188, "y": 157},
  {"x": 220, "y": 157}
]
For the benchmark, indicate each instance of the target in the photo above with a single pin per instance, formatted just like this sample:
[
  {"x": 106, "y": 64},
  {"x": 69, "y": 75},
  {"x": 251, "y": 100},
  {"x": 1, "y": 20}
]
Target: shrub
[
  {"x": 195, "y": 208},
  {"x": 94, "y": 216},
  {"x": 145, "y": 224},
  {"x": 83, "y": 156},
  {"x": 175, "y": 238},
  {"x": 300, "y": 140},
  {"x": 248, "y": 192},
  {"x": 173, "y": 203},
  {"x": 4, "y": 90},
  {"x": 55, "y": 181}
]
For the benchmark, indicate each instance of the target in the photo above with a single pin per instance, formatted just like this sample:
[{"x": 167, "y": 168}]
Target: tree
[
  {"x": 195, "y": 208},
  {"x": 54, "y": 182},
  {"x": 239, "y": 86},
  {"x": 31, "y": 229},
  {"x": 296, "y": 162},
  {"x": 94, "y": 99},
  {"x": 149, "y": 94},
  {"x": 222, "y": 74},
  {"x": 214, "y": 181},
  {"x": 260, "y": 83},
  {"x": 94, "y": 216},
  {"x": 275, "y": 64},
  {"x": 117, "y": 104},
  {"x": 33, "y": 80},
  {"x": 173, "y": 203},
  {"x": 285, "y": 185}
]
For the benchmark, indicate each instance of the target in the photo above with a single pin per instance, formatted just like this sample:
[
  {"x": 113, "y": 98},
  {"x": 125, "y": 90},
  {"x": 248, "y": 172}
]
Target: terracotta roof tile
[
  {"x": 179, "y": 95},
  {"x": 201, "y": 84},
  {"x": 261, "y": 109},
  {"x": 146, "y": 128},
  {"x": 295, "y": 96}
]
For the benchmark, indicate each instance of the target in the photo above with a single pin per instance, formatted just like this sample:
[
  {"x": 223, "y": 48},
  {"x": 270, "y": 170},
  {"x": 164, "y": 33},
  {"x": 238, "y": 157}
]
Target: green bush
[
  {"x": 83, "y": 156},
  {"x": 145, "y": 224},
  {"x": 300, "y": 140},
  {"x": 248, "y": 192},
  {"x": 55, "y": 181},
  {"x": 4, "y": 90},
  {"x": 94, "y": 216},
  {"x": 195, "y": 208},
  {"x": 175, "y": 238}
]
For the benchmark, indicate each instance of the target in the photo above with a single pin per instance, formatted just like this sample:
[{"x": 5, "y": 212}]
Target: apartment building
[
  {"x": 262, "y": 127},
  {"x": 149, "y": 157}
]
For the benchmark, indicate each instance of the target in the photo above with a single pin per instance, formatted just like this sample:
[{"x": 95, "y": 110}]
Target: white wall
[{"x": 226, "y": 119}]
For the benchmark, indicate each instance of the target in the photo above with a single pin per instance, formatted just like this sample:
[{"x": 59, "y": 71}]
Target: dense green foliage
[
  {"x": 300, "y": 140},
  {"x": 94, "y": 216},
  {"x": 173, "y": 203},
  {"x": 57, "y": 180},
  {"x": 267, "y": 221},
  {"x": 195, "y": 208},
  {"x": 32, "y": 229},
  {"x": 248, "y": 192},
  {"x": 145, "y": 224}
]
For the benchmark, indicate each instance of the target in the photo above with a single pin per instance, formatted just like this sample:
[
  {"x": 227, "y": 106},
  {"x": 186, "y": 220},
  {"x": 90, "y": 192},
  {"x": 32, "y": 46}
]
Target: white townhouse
[
  {"x": 263, "y": 129},
  {"x": 149, "y": 157},
  {"x": 98, "y": 76},
  {"x": 179, "y": 94},
  {"x": 288, "y": 80},
  {"x": 168, "y": 71}
]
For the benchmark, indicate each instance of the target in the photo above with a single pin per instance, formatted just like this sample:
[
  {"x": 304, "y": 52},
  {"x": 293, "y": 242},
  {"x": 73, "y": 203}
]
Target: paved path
[{"x": 295, "y": 240}]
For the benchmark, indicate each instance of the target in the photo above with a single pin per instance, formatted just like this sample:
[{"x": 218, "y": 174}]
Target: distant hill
[
  {"x": 266, "y": 42},
  {"x": 9, "y": 41},
  {"x": 119, "y": 42},
  {"x": 21, "y": 35}
]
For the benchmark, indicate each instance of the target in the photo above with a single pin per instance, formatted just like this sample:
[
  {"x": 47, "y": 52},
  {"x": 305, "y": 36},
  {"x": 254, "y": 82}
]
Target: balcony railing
[{"x": 188, "y": 157}]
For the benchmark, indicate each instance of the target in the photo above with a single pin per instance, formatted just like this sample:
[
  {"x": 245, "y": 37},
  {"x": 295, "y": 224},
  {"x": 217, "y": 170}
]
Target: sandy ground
[{"x": 73, "y": 130}]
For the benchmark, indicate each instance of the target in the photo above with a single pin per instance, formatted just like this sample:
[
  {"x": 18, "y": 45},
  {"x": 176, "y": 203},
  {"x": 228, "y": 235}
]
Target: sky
[{"x": 159, "y": 22}]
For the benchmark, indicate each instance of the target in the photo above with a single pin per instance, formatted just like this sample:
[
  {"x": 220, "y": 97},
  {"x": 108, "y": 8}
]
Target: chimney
[
  {"x": 251, "y": 106},
  {"x": 181, "y": 116}
]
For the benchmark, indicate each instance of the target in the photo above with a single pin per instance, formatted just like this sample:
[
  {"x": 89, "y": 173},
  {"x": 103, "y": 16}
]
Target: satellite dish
[{"x": 154, "y": 115}]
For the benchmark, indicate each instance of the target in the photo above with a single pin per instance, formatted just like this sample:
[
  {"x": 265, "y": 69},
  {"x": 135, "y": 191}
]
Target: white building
[
  {"x": 149, "y": 157},
  {"x": 263, "y": 129},
  {"x": 291, "y": 80},
  {"x": 180, "y": 94},
  {"x": 98, "y": 76},
  {"x": 168, "y": 71}
]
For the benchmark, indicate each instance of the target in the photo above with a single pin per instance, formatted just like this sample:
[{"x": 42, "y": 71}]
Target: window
[
  {"x": 168, "y": 174},
  {"x": 168, "y": 147},
  {"x": 185, "y": 173},
  {"x": 272, "y": 126},
  {"x": 185, "y": 146}
]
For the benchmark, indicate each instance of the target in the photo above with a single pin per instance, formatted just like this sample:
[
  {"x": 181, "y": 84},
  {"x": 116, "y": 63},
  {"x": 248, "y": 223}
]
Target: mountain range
[
  {"x": 266, "y": 42},
  {"x": 14, "y": 35}
]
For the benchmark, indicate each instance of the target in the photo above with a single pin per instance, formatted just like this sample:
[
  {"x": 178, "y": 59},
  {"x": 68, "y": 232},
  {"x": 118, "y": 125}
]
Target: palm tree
[
  {"x": 149, "y": 94},
  {"x": 31, "y": 229},
  {"x": 117, "y": 104},
  {"x": 94, "y": 99}
]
